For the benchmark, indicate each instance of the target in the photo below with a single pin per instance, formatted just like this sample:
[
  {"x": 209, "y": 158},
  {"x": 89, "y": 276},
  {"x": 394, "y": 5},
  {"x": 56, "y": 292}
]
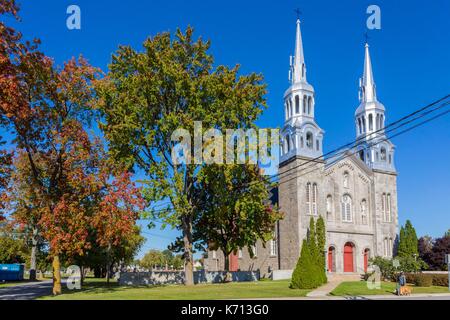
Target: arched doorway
[
  {"x": 348, "y": 257},
  {"x": 366, "y": 259},
  {"x": 331, "y": 259}
]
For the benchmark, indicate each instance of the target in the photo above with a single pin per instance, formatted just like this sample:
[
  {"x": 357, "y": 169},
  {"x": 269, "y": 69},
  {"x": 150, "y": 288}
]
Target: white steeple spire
[
  {"x": 298, "y": 67},
  {"x": 376, "y": 151},
  {"x": 368, "y": 92},
  {"x": 301, "y": 135}
]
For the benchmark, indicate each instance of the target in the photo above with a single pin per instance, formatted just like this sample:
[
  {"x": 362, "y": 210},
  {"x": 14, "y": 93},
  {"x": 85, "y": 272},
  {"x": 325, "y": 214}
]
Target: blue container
[{"x": 11, "y": 272}]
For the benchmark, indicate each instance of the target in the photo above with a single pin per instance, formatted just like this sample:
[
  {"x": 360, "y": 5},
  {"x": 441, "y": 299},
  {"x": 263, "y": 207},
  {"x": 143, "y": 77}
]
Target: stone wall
[
  {"x": 177, "y": 277},
  {"x": 263, "y": 262}
]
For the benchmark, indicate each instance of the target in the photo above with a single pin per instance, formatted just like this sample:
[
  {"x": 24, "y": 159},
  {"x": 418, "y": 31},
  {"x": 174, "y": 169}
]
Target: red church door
[
  {"x": 348, "y": 257},
  {"x": 366, "y": 259},
  {"x": 234, "y": 262},
  {"x": 330, "y": 259}
]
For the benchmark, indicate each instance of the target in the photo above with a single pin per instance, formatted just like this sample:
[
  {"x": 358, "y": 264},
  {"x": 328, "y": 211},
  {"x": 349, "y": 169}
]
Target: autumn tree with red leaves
[{"x": 72, "y": 185}]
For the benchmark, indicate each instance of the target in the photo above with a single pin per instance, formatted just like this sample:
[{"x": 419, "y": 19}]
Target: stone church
[{"x": 355, "y": 190}]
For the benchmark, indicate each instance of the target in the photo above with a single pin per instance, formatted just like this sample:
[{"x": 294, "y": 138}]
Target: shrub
[
  {"x": 423, "y": 280},
  {"x": 410, "y": 277},
  {"x": 440, "y": 280},
  {"x": 387, "y": 269},
  {"x": 305, "y": 273}
]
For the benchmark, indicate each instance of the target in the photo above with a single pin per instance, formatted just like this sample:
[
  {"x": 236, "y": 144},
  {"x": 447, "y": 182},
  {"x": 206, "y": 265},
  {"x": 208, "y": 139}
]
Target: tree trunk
[
  {"x": 34, "y": 243},
  {"x": 108, "y": 267},
  {"x": 188, "y": 257},
  {"x": 56, "y": 275},
  {"x": 82, "y": 269}
]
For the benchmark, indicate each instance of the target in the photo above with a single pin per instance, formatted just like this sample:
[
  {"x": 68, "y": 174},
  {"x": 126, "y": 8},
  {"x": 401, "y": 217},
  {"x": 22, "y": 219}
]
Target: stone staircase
[{"x": 343, "y": 277}]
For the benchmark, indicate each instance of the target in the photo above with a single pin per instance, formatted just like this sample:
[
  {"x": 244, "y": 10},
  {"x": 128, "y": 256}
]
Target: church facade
[{"x": 354, "y": 190}]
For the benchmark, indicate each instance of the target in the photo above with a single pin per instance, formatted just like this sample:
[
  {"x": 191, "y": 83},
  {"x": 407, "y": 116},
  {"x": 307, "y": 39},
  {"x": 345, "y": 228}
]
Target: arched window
[
  {"x": 314, "y": 199},
  {"x": 364, "y": 211},
  {"x": 308, "y": 198},
  {"x": 359, "y": 126},
  {"x": 304, "y": 104},
  {"x": 287, "y": 110},
  {"x": 363, "y": 119},
  {"x": 329, "y": 207},
  {"x": 381, "y": 121},
  {"x": 388, "y": 208},
  {"x": 361, "y": 155},
  {"x": 383, "y": 154},
  {"x": 346, "y": 178},
  {"x": 288, "y": 144},
  {"x": 390, "y": 158},
  {"x": 346, "y": 207},
  {"x": 370, "y": 122},
  {"x": 317, "y": 145},
  {"x": 297, "y": 104},
  {"x": 291, "y": 107},
  {"x": 383, "y": 206},
  {"x": 309, "y": 140},
  {"x": 301, "y": 142},
  {"x": 309, "y": 105},
  {"x": 388, "y": 246}
]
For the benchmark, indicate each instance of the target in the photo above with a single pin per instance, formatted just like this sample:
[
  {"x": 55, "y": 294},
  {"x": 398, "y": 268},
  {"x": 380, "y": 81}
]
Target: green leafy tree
[
  {"x": 13, "y": 248},
  {"x": 149, "y": 94},
  {"x": 235, "y": 212},
  {"x": 151, "y": 259},
  {"x": 408, "y": 243}
]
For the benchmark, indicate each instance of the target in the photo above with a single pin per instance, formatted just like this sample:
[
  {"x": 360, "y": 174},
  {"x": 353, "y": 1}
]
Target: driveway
[{"x": 26, "y": 291}]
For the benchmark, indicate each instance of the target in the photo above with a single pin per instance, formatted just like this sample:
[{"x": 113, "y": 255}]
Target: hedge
[{"x": 427, "y": 279}]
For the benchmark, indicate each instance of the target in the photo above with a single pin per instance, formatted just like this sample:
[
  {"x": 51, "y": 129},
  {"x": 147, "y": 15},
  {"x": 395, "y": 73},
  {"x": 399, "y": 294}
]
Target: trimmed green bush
[
  {"x": 304, "y": 275},
  {"x": 440, "y": 280},
  {"x": 423, "y": 280}
]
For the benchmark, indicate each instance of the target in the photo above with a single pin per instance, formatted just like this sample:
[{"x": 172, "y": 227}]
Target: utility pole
[{"x": 447, "y": 261}]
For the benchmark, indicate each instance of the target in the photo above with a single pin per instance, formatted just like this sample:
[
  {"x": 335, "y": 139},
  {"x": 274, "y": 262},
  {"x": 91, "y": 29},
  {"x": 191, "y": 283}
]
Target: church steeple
[
  {"x": 368, "y": 89},
  {"x": 298, "y": 68},
  {"x": 301, "y": 134},
  {"x": 373, "y": 148}
]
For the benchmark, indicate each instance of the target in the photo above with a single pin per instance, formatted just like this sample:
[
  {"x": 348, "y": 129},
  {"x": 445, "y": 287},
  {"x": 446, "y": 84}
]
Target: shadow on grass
[{"x": 100, "y": 286}]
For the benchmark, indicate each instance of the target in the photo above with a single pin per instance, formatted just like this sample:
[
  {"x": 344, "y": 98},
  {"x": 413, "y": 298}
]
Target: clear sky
[{"x": 410, "y": 57}]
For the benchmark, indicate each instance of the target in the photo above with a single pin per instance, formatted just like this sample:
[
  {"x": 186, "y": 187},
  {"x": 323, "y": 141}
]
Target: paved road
[{"x": 26, "y": 291}]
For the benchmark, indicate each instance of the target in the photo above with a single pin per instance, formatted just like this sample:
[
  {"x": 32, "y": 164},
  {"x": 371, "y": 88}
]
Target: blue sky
[{"x": 410, "y": 56}]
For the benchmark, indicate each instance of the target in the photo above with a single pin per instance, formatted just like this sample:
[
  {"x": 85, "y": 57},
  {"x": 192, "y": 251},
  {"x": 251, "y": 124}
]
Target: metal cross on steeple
[
  {"x": 298, "y": 12},
  {"x": 366, "y": 37}
]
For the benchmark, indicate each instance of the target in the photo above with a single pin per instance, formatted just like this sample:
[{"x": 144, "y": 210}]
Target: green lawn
[
  {"x": 11, "y": 283},
  {"x": 98, "y": 290},
  {"x": 359, "y": 288}
]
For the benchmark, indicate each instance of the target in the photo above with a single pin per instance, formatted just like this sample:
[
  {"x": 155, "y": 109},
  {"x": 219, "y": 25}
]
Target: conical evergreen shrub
[{"x": 303, "y": 276}]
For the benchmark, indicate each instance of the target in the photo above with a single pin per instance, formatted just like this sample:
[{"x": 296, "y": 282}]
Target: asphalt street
[{"x": 26, "y": 291}]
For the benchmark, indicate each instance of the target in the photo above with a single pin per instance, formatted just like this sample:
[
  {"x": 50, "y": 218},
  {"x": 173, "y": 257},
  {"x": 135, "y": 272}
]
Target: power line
[
  {"x": 362, "y": 142},
  {"x": 420, "y": 113},
  {"x": 368, "y": 146}
]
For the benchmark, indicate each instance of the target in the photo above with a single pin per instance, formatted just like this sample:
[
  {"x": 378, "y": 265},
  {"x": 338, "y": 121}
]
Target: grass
[
  {"x": 359, "y": 288},
  {"x": 98, "y": 290},
  {"x": 11, "y": 283}
]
